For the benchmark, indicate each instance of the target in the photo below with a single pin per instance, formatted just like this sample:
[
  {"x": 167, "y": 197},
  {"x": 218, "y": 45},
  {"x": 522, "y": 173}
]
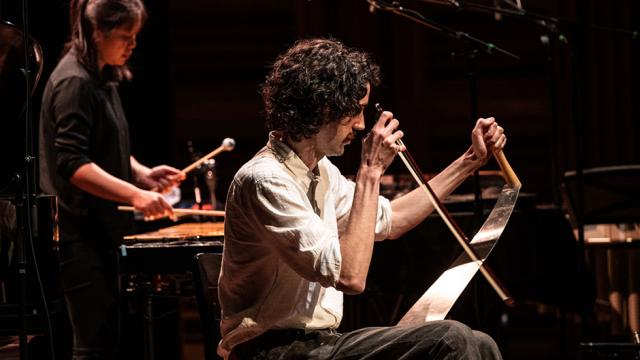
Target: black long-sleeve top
[{"x": 82, "y": 121}]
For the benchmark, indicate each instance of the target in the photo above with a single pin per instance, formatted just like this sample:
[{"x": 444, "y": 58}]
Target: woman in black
[{"x": 85, "y": 160}]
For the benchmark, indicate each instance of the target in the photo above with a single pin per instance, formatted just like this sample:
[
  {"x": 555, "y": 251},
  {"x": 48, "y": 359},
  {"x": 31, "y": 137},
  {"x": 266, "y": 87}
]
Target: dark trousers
[
  {"x": 89, "y": 282},
  {"x": 446, "y": 340}
]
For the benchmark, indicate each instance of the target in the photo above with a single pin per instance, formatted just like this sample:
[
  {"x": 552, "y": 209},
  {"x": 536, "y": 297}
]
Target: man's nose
[{"x": 359, "y": 124}]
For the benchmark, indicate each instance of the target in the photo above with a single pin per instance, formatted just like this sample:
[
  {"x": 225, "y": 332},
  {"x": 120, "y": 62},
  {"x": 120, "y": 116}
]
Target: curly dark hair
[{"x": 315, "y": 82}]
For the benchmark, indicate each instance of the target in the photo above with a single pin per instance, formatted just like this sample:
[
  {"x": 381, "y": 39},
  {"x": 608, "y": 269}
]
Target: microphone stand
[
  {"x": 24, "y": 197},
  {"x": 476, "y": 45},
  {"x": 552, "y": 26},
  {"x": 26, "y": 200},
  {"x": 553, "y": 35},
  {"x": 550, "y": 22},
  {"x": 472, "y": 75},
  {"x": 396, "y": 8},
  {"x": 576, "y": 29},
  {"x": 211, "y": 180},
  {"x": 197, "y": 194}
]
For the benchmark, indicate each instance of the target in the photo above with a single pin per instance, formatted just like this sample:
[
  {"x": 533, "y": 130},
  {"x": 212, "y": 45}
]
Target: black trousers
[
  {"x": 446, "y": 340},
  {"x": 89, "y": 280}
]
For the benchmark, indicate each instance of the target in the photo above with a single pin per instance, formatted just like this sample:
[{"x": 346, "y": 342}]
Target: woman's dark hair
[
  {"x": 315, "y": 82},
  {"x": 87, "y": 17}
]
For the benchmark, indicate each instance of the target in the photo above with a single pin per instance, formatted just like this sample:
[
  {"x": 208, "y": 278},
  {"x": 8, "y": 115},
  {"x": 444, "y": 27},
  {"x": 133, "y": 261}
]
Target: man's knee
[
  {"x": 457, "y": 333},
  {"x": 465, "y": 344},
  {"x": 487, "y": 346}
]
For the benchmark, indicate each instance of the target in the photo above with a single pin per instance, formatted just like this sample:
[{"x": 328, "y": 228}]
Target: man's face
[{"x": 332, "y": 137}]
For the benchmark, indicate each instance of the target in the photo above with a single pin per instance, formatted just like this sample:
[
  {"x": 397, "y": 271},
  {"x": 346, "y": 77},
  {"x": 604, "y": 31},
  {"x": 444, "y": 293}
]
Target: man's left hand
[{"x": 487, "y": 137}]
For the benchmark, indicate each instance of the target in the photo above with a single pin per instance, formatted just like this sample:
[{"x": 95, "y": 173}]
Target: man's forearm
[
  {"x": 356, "y": 243},
  {"x": 412, "y": 208}
]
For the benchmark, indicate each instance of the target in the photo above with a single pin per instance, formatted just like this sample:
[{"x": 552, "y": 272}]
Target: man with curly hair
[{"x": 298, "y": 234}]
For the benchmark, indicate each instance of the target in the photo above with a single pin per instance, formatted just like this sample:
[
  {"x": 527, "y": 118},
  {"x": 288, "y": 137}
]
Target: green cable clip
[{"x": 563, "y": 39}]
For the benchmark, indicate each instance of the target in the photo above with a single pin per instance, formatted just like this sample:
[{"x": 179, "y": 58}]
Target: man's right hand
[{"x": 379, "y": 146}]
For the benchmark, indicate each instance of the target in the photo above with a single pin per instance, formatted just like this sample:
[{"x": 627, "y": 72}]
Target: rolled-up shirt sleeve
[
  {"x": 72, "y": 110},
  {"x": 344, "y": 190},
  {"x": 296, "y": 233}
]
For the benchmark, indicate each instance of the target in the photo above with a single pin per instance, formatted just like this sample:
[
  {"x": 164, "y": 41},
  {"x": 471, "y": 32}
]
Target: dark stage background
[{"x": 199, "y": 65}]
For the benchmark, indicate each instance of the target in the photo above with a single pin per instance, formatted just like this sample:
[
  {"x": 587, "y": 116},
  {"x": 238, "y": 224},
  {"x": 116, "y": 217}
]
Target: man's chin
[{"x": 337, "y": 152}]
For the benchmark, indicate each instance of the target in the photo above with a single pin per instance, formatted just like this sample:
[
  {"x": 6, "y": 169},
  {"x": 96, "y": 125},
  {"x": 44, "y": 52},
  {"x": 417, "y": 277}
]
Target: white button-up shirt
[{"x": 282, "y": 256}]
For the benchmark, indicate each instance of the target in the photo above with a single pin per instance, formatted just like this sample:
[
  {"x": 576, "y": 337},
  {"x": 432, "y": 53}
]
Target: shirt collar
[{"x": 290, "y": 159}]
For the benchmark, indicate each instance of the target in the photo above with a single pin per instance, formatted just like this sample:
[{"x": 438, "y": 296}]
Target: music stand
[
  {"x": 606, "y": 195},
  {"x": 610, "y": 195}
]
